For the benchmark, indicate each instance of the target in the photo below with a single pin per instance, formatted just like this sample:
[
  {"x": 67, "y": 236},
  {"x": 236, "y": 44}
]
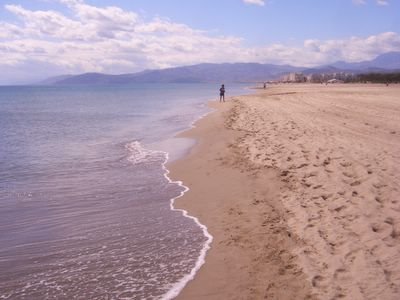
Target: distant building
[
  {"x": 319, "y": 77},
  {"x": 294, "y": 77},
  {"x": 327, "y": 77}
]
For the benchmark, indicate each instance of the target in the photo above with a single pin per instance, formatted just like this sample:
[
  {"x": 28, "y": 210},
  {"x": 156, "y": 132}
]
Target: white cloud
[
  {"x": 110, "y": 40},
  {"x": 112, "y": 16},
  {"x": 379, "y": 2},
  {"x": 382, "y": 2},
  {"x": 47, "y": 24},
  {"x": 255, "y": 2},
  {"x": 9, "y": 31},
  {"x": 105, "y": 39}
]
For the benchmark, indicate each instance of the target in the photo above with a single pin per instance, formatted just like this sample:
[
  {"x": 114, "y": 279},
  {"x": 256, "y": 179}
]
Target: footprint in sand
[
  {"x": 389, "y": 221},
  {"x": 340, "y": 208},
  {"x": 388, "y": 275},
  {"x": 311, "y": 174},
  {"x": 376, "y": 228},
  {"x": 393, "y": 239},
  {"x": 347, "y": 174},
  {"x": 379, "y": 185},
  {"x": 340, "y": 274},
  {"x": 346, "y": 164},
  {"x": 317, "y": 281},
  {"x": 302, "y": 166},
  {"x": 326, "y": 196},
  {"x": 355, "y": 183}
]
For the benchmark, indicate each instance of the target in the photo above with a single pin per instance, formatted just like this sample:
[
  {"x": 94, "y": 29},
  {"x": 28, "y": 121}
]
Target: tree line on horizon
[
  {"x": 372, "y": 77},
  {"x": 379, "y": 77}
]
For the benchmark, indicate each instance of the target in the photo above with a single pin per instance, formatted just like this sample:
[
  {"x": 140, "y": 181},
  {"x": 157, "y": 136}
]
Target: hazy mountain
[
  {"x": 239, "y": 72},
  {"x": 219, "y": 73},
  {"x": 55, "y": 79},
  {"x": 224, "y": 73},
  {"x": 390, "y": 60},
  {"x": 324, "y": 69}
]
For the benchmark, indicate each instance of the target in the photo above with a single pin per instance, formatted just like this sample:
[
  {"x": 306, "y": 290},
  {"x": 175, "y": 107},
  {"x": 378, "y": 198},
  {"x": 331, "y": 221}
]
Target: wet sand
[{"x": 299, "y": 185}]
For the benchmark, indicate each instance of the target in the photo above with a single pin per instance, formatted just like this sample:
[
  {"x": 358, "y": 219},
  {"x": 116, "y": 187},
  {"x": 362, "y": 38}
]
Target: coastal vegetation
[{"x": 379, "y": 77}]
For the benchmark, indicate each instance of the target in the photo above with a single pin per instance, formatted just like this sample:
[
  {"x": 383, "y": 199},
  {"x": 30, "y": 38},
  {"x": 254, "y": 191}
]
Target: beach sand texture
[{"x": 300, "y": 187}]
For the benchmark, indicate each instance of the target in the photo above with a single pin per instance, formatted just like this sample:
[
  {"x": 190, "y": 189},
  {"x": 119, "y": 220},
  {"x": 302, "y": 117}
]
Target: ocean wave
[{"x": 139, "y": 154}]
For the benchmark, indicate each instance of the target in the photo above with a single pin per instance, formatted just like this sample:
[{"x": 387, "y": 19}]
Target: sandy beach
[{"x": 300, "y": 187}]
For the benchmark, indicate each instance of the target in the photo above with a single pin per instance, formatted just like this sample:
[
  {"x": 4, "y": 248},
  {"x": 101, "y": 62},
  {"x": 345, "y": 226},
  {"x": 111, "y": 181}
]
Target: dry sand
[{"x": 300, "y": 187}]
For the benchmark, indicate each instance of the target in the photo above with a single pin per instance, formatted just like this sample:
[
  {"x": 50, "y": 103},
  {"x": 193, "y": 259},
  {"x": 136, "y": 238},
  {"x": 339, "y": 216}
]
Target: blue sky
[{"x": 40, "y": 38}]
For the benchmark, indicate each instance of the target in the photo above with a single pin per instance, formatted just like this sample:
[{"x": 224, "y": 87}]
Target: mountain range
[{"x": 235, "y": 72}]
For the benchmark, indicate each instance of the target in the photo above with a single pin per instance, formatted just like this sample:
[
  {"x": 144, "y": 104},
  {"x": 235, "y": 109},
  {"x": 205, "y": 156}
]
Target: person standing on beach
[{"x": 222, "y": 93}]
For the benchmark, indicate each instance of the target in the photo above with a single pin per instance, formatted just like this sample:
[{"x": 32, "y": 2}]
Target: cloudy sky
[{"x": 41, "y": 38}]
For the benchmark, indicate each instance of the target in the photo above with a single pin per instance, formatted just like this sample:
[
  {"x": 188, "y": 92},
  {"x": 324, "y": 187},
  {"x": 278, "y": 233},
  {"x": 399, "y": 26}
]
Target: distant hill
[
  {"x": 238, "y": 72},
  {"x": 55, "y": 79},
  {"x": 324, "y": 69},
  {"x": 224, "y": 73},
  {"x": 389, "y": 61}
]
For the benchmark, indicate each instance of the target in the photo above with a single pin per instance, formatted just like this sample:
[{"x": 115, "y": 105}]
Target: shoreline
[
  {"x": 178, "y": 287},
  {"x": 214, "y": 177},
  {"x": 276, "y": 176}
]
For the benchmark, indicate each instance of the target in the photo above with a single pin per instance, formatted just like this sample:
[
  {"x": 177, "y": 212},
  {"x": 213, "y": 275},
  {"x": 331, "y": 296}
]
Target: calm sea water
[{"x": 84, "y": 200}]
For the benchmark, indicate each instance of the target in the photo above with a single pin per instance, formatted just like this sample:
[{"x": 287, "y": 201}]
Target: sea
[{"x": 86, "y": 204}]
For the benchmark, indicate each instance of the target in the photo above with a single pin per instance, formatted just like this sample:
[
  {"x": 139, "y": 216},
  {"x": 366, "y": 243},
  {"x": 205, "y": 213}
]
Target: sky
[{"x": 42, "y": 38}]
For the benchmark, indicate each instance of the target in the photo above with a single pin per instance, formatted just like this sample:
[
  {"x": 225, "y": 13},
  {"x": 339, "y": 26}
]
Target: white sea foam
[
  {"x": 140, "y": 154},
  {"x": 178, "y": 287}
]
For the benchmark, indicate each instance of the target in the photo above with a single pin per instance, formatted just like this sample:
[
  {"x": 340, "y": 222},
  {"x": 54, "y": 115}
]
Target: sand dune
[{"x": 335, "y": 151}]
